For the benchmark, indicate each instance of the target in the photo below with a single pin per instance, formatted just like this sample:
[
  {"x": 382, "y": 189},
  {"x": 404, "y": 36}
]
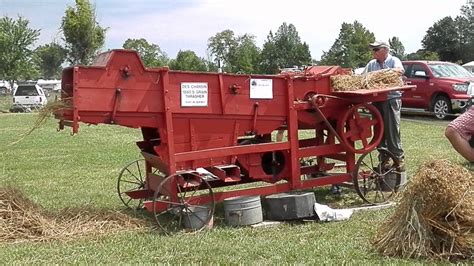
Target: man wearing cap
[{"x": 389, "y": 109}]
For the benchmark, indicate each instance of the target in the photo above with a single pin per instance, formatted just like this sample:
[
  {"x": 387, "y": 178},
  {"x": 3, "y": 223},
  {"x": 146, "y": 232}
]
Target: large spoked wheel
[
  {"x": 131, "y": 178},
  {"x": 361, "y": 128},
  {"x": 377, "y": 176},
  {"x": 183, "y": 201}
]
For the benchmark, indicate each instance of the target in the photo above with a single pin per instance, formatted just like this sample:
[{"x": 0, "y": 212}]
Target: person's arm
[
  {"x": 461, "y": 145},
  {"x": 398, "y": 66}
]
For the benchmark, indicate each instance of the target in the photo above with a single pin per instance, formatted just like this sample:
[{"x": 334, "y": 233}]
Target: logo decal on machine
[{"x": 194, "y": 94}]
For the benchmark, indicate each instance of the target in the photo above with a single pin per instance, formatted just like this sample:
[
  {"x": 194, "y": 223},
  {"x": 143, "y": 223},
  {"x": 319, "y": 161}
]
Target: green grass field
[
  {"x": 57, "y": 170},
  {"x": 5, "y": 103}
]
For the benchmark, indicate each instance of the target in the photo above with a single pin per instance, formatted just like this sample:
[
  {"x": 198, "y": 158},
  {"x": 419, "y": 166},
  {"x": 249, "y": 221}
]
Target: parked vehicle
[
  {"x": 443, "y": 88},
  {"x": 50, "y": 85},
  {"x": 5, "y": 87},
  {"x": 28, "y": 97}
]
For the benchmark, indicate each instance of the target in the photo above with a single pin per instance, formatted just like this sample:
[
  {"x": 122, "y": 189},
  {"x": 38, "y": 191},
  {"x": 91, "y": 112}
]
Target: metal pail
[
  {"x": 243, "y": 210},
  {"x": 391, "y": 182},
  {"x": 195, "y": 217}
]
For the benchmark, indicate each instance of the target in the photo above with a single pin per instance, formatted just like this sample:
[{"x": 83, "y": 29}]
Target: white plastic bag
[{"x": 326, "y": 214}]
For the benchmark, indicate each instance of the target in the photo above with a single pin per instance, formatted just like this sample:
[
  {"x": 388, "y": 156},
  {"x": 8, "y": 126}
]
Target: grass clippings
[
  {"x": 435, "y": 216},
  {"x": 384, "y": 78},
  {"x": 21, "y": 220}
]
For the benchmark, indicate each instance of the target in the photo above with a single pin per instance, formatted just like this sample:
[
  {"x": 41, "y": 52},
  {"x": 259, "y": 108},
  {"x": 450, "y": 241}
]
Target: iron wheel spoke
[
  {"x": 138, "y": 179},
  {"x": 132, "y": 182}
]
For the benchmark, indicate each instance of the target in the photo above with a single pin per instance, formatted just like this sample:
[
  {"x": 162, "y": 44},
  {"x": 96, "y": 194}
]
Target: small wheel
[
  {"x": 377, "y": 176},
  {"x": 361, "y": 133},
  {"x": 183, "y": 200},
  {"x": 132, "y": 177},
  {"x": 442, "y": 107}
]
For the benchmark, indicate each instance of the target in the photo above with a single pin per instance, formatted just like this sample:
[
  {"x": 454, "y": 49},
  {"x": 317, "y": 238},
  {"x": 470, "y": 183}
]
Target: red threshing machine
[{"x": 205, "y": 132}]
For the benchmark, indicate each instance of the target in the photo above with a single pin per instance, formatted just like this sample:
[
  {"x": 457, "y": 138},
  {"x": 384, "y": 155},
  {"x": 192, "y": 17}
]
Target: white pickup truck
[{"x": 28, "y": 97}]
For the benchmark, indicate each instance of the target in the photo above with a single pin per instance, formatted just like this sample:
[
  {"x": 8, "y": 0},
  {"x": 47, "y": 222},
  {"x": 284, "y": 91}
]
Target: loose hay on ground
[
  {"x": 435, "y": 216},
  {"x": 22, "y": 220},
  {"x": 384, "y": 78}
]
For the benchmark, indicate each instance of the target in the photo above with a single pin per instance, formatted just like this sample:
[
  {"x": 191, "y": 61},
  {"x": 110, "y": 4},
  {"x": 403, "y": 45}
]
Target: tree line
[{"x": 449, "y": 39}]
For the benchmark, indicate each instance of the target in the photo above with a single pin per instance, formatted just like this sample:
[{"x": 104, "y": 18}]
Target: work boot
[
  {"x": 401, "y": 165},
  {"x": 384, "y": 165},
  {"x": 336, "y": 190}
]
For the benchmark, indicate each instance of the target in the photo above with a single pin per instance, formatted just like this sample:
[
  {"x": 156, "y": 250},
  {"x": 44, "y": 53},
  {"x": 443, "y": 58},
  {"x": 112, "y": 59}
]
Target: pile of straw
[
  {"x": 384, "y": 78},
  {"x": 435, "y": 217},
  {"x": 22, "y": 220}
]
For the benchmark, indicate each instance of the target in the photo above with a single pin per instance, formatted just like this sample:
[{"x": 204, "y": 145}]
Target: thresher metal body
[{"x": 228, "y": 124}]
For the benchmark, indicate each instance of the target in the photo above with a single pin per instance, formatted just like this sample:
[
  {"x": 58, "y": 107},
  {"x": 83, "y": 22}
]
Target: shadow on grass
[{"x": 348, "y": 198}]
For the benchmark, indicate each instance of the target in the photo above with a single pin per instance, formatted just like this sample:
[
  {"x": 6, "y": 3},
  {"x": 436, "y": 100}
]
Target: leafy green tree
[
  {"x": 423, "y": 54},
  {"x": 453, "y": 39},
  {"x": 82, "y": 34},
  {"x": 211, "y": 66},
  {"x": 283, "y": 49},
  {"x": 151, "y": 54},
  {"x": 397, "y": 48},
  {"x": 188, "y": 60},
  {"x": 220, "y": 47},
  {"x": 351, "y": 47},
  {"x": 443, "y": 39},
  {"x": 268, "y": 57},
  {"x": 244, "y": 57},
  {"x": 16, "y": 56},
  {"x": 51, "y": 56},
  {"x": 234, "y": 53},
  {"x": 465, "y": 25}
]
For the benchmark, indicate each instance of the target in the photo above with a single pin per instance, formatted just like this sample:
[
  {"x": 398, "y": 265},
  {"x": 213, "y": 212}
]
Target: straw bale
[
  {"x": 384, "y": 78},
  {"x": 435, "y": 216}
]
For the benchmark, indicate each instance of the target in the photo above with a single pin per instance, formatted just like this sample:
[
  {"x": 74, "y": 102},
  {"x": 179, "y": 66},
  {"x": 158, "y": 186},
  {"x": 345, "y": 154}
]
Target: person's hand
[{"x": 399, "y": 70}]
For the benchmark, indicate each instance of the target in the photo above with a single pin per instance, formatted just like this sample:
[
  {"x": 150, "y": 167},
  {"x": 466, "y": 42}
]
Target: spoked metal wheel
[
  {"x": 377, "y": 176},
  {"x": 183, "y": 201},
  {"x": 131, "y": 178}
]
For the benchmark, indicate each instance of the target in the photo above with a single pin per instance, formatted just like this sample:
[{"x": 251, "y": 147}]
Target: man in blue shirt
[{"x": 390, "y": 109}]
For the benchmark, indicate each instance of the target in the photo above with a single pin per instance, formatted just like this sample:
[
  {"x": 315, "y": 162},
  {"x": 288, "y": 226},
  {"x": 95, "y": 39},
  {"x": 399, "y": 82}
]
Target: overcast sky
[{"x": 188, "y": 24}]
